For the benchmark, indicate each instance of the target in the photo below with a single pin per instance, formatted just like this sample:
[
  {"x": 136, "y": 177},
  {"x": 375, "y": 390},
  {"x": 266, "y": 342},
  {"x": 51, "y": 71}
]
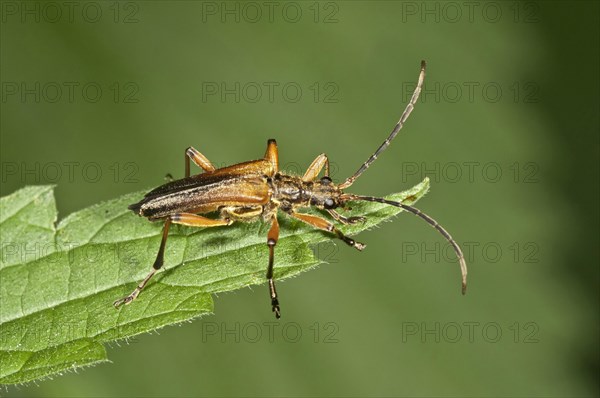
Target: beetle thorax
[{"x": 289, "y": 192}]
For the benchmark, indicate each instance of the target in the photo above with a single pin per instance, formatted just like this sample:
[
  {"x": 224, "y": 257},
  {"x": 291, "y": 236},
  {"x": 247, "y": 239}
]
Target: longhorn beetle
[{"x": 255, "y": 190}]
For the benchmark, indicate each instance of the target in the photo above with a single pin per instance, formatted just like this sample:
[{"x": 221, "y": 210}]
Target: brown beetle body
[{"x": 256, "y": 190}]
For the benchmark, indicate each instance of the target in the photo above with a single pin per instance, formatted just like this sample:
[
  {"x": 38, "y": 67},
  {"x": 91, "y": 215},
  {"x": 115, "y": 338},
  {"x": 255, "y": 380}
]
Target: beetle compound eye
[
  {"x": 329, "y": 203},
  {"x": 326, "y": 180}
]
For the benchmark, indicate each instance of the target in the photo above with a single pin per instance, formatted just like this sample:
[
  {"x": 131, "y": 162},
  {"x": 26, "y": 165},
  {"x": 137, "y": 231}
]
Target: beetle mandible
[{"x": 255, "y": 190}]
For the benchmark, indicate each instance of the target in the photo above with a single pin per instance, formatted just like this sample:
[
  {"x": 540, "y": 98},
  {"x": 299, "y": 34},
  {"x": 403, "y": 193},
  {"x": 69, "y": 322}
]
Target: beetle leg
[
  {"x": 157, "y": 265},
  {"x": 315, "y": 168},
  {"x": 272, "y": 239},
  {"x": 194, "y": 220},
  {"x": 346, "y": 220},
  {"x": 238, "y": 213},
  {"x": 178, "y": 218},
  {"x": 272, "y": 155},
  {"x": 199, "y": 159},
  {"x": 325, "y": 225}
]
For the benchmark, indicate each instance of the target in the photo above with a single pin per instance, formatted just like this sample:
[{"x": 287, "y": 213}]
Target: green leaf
[{"x": 58, "y": 282}]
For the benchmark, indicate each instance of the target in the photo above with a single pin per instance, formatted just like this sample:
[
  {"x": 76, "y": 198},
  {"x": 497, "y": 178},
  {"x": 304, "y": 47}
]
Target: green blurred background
[{"x": 101, "y": 98}]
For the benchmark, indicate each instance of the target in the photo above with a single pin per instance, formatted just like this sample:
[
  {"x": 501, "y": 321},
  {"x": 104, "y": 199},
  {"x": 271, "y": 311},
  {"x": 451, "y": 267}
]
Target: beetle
[{"x": 258, "y": 190}]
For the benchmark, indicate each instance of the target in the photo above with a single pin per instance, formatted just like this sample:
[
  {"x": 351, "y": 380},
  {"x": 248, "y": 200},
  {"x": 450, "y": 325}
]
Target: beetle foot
[
  {"x": 356, "y": 220},
  {"x": 276, "y": 309},
  {"x": 128, "y": 299}
]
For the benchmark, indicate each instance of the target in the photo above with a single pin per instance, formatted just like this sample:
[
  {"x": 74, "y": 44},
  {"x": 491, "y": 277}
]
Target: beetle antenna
[
  {"x": 409, "y": 108},
  {"x": 430, "y": 221}
]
